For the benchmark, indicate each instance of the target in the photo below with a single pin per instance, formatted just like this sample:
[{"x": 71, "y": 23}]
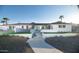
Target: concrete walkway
[{"x": 40, "y": 46}]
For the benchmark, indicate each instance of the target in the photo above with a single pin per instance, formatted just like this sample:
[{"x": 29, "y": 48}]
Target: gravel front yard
[
  {"x": 14, "y": 44},
  {"x": 65, "y": 44}
]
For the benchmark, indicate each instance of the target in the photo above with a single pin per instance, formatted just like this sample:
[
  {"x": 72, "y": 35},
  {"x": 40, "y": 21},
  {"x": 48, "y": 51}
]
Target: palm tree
[
  {"x": 5, "y": 19},
  {"x": 61, "y": 17},
  {"x": 3, "y": 22}
]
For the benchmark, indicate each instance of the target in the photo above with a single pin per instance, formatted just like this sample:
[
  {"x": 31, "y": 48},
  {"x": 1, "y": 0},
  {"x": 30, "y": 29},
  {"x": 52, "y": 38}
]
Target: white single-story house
[{"x": 44, "y": 27}]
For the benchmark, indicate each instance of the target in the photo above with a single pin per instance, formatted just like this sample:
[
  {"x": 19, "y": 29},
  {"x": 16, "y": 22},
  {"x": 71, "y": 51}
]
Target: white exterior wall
[
  {"x": 4, "y": 27},
  {"x": 68, "y": 28},
  {"x": 55, "y": 28},
  {"x": 18, "y": 28},
  {"x": 47, "y": 30},
  {"x": 38, "y": 27},
  {"x": 29, "y": 26},
  {"x": 24, "y": 26}
]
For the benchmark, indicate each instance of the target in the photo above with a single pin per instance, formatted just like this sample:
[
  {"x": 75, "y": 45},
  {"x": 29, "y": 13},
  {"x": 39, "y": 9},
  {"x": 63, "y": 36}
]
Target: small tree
[
  {"x": 5, "y": 19},
  {"x": 3, "y": 22}
]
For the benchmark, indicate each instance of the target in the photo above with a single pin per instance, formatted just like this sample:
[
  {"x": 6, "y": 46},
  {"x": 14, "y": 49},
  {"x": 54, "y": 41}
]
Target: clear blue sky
[{"x": 37, "y": 13}]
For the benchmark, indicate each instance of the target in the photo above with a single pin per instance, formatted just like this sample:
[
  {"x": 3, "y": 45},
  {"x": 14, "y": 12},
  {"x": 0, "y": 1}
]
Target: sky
[{"x": 39, "y": 13}]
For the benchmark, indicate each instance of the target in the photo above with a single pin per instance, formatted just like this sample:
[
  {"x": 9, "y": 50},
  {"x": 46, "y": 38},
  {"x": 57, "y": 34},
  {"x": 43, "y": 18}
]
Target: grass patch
[
  {"x": 6, "y": 32},
  {"x": 65, "y": 44},
  {"x": 12, "y": 32},
  {"x": 12, "y": 44},
  {"x": 56, "y": 32},
  {"x": 20, "y": 33}
]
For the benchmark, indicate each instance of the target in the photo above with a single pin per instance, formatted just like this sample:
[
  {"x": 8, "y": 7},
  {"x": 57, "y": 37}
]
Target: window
[
  {"x": 62, "y": 26},
  {"x": 51, "y": 27},
  {"x": 48, "y": 27},
  {"x": 37, "y": 27},
  {"x": 42, "y": 27},
  {"x": 13, "y": 27},
  {"x": 22, "y": 26},
  {"x": 26, "y": 27},
  {"x": 10, "y": 27},
  {"x": 33, "y": 25}
]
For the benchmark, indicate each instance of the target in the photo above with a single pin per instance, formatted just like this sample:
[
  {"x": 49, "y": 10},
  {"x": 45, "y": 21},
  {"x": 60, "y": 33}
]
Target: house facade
[{"x": 44, "y": 27}]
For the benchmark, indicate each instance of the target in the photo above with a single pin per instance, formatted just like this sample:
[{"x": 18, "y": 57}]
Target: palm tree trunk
[
  {"x": 6, "y": 22},
  {"x": 61, "y": 19}
]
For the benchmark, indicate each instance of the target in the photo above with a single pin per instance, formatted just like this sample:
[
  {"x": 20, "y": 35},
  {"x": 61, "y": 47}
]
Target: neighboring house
[
  {"x": 4, "y": 28},
  {"x": 75, "y": 28},
  {"x": 44, "y": 27}
]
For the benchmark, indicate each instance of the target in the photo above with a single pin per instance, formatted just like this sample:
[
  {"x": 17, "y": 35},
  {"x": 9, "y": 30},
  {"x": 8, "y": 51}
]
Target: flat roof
[{"x": 60, "y": 22}]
